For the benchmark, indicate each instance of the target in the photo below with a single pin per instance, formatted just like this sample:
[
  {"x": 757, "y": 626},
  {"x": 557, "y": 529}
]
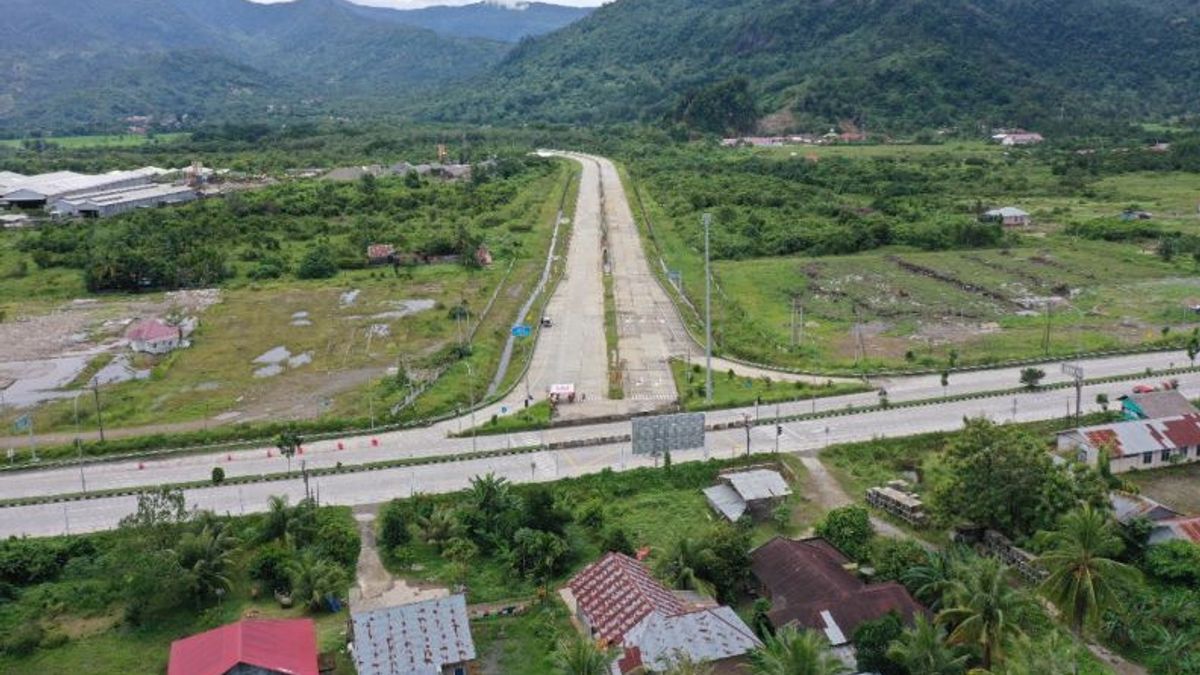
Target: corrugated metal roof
[
  {"x": 703, "y": 635},
  {"x": 414, "y": 639},
  {"x": 1137, "y": 436},
  {"x": 616, "y": 592},
  {"x": 126, "y": 194},
  {"x": 1007, "y": 212},
  {"x": 284, "y": 646},
  {"x": 758, "y": 484},
  {"x": 1126, "y": 507},
  {"x": 50, "y": 185},
  {"x": 726, "y": 501}
]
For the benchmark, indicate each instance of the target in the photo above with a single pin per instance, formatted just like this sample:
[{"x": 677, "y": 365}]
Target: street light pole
[
  {"x": 96, "y": 394},
  {"x": 708, "y": 379},
  {"x": 471, "y": 385},
  {"x": 746, "y": 421}
]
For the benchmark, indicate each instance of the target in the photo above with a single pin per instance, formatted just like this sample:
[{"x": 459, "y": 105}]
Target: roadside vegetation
[
  {"x": 113, "y": 602},
  {"x": 732, "y": 390}
]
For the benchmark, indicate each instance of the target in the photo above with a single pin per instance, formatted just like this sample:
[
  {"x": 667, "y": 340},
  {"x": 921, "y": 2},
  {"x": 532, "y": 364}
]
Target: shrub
[
  {"x": 393, "y": 528},
  {"x": 1177, "y": 561},
  {"x": 892, "y": 557},
  {"x": 849, "y": 529},
  {"x": 617, "y": 540},
  {"x": 591, "y": 514},
  {"x": 218, "y": 475},
  {"x": 23, "y": 639},
  {"x": 270, "y": 566},
  {"x": 318, "y": 263}
]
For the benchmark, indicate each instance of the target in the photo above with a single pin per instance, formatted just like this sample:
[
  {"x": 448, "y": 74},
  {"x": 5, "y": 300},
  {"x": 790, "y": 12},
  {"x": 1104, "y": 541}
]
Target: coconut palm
[
  {"x": 314, "y": 579},
  {"x": 1083, "y": 580},
  {"x": 983, "y": 610},
  {"x": 922, "y": 650},
  {"x": 439, "y": 527},
  {"x": 792, "y": 652},
  {"x": 681, "y": 568},
  {"x": 279, "y": 515},
  {"x": 1173, "y": 651},
  {"x": 206, "y": 557},
  {"x": 578, "y": 655},
  {"x": 930, "y": 582}
]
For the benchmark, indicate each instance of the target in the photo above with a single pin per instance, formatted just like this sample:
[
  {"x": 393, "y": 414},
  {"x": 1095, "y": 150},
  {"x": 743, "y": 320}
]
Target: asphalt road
[
  {"x": 805, "y": 438},
  {"x": 572, "y": 351}
]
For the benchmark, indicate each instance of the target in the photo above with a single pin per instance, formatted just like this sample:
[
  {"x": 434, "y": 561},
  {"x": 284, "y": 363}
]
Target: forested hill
[
  {"x": 483, "y": 19},
  {"x": 890, "y": 64},
  {"x": 77, "y": 64}
]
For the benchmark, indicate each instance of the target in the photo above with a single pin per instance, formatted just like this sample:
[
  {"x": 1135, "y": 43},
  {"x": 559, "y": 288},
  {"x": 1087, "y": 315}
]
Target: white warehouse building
[
  {"x": 43, "y": 189},
  {"x": 104, "y": 203}
]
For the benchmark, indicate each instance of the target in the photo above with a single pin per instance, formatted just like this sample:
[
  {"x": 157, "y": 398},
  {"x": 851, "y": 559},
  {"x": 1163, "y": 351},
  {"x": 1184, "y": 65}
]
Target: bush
[
  {"x": 270, "y": 566},
  {"x": 23, "y": 639},
  {"x": 338, "y": 541},
  {"x": 871, "y": 640},
  {"x": 616, "y": 540},
  {"x": 318, "y": 263},
  {"x": 849, "y": 529},
  {"x": 591, "y": 515},
  {"x": 393, "y": 528},
  {"x": 892, "y": 557},
  {"x": 1177, "y": 561},
  {"x": 218, "y": 475},
  {"x": 30, "y": 561}
]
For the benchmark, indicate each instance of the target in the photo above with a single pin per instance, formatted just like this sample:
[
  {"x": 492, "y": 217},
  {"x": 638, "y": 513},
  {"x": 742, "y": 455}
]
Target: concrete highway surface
[{"x": 572, "y": 351}]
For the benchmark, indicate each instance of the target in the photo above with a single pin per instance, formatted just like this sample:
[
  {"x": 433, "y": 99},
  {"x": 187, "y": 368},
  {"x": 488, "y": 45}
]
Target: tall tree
[
  {"x": 792, "y": 652},
  {"x": 494, "y": 510},
  {"x": 683, "y": 566},
  {"x": 922, "y": 650},
  {"x": 289, "y": 443},
  {"x": 984, "y": 611},
  {"x": 1084, "y": 580},
  {"x": 932, "y": 580},
  {"x": 206, "y": 558}
]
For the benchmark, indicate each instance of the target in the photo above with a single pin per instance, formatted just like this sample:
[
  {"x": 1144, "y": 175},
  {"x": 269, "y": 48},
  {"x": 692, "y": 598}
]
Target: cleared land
[
  {"x": 1175, "y": 487},
  {"x": 286, "y": 348},
  {"x": 850, "y": 258}
]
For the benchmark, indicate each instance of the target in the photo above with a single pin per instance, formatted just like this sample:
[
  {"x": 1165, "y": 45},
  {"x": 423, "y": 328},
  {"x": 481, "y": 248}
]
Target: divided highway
[{"x": 573, "y": 350}]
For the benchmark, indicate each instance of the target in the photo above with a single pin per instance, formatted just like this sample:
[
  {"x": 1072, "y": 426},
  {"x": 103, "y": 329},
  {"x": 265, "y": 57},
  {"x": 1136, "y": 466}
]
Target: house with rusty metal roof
[
  {"x": 1128, "y": 507},
  {"x": 617, "y": 601},
  {"x": 258, "y": 646},
  {"x": 432, "y": 637},
  {"x": 1135, "y": 444},
  {"x": 1183, "y": 529},
  {"x": 810, "y": 585}
]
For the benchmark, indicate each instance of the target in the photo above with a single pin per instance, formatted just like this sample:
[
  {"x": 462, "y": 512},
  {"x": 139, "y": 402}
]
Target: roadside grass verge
[
  {"x": 616, "y": 384},
  {"x": 732, "y": 391},
  {"x": 523, "y": 644},
  {"x": 536, "y": 416}
]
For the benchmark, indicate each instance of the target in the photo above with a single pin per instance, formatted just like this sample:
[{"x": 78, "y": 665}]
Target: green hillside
[{"x": 881, "y": 63}]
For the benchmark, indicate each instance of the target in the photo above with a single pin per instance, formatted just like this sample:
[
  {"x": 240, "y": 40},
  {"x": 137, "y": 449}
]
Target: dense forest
[{"x": 878, "y": 64}]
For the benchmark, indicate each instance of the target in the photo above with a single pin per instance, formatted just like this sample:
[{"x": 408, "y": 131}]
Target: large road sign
[
  {"x": 1073, "y": 369},
  {"x": 23, "y": 423},
  {"x": 663, "y": 433},
  {"x": 521, "y": 331}
]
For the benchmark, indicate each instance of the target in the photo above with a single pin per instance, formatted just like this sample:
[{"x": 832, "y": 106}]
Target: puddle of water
[
  {"x": 301, "y": 323},
  {"x": 299, "y": 315},
  {"x": 120, "y": 369},
  {"x": 379, "y": 330}
]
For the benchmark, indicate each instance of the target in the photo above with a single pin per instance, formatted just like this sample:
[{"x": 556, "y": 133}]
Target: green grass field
[
  {"x": 104, "y": 141},
  {"x": 735, "y": 391},
  {"x": 912, "y": 306}
]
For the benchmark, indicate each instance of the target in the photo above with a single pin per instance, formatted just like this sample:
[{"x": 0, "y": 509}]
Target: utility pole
[
  {"x": 1076, "y": 372},
  {"x": 708, "y": 378},
  {"x": 746, "y": 422},
  {"x": 96, "y": 395},
  {"x": 793, "y": 321},
  {"x": 471, "y": 384}
]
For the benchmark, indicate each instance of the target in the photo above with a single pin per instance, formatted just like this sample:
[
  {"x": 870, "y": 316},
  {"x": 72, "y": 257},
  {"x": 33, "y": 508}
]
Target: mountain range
[
  {"x": 809, "y": 64},
  {"x": 81, "y": 64},
  {"x": 710, "y": 65}
]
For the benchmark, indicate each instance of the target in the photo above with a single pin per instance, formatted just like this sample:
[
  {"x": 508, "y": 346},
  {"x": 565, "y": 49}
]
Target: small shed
[
  {"x": 1009, "y": 216},
  {"x": 381, "y": 254},
  {"x": 755, "y": 492}
]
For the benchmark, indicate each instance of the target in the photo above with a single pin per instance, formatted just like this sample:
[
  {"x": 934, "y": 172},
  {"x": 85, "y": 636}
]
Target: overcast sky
[{"x": 411, "y": 4}]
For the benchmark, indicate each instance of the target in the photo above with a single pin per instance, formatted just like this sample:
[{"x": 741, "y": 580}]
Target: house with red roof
[
  {"x": 810, "y": 585},
  {"x": 619, "y": 603},
  {"x": 1135, "y": 444},
  {"x": 1170, "y": 529},
  {"x": 153, "y": 336},
  {"x": 249, "y": 647}
]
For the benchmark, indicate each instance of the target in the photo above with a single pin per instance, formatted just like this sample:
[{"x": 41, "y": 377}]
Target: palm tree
[
  {"x": 279, "y": 516},
  {"x": 930, "y": 582},
  {"x": 922, "y": 650},
  {"x": 206, "y": 557},
  {"x": 984, "y": 610},
  {"x": 792, "y": 652},
  {"x": 439, "y": 527},
  {"x": 681, "y": 567},
  {"x": 1083, "y": 581},
  {"x": 578, "y": 655},
  {"x": 314, "y": 579}
]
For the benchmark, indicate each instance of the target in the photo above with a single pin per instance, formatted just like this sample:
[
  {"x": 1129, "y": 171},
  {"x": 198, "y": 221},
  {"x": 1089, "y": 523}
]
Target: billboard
[{"x": 663, "y": 433}]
